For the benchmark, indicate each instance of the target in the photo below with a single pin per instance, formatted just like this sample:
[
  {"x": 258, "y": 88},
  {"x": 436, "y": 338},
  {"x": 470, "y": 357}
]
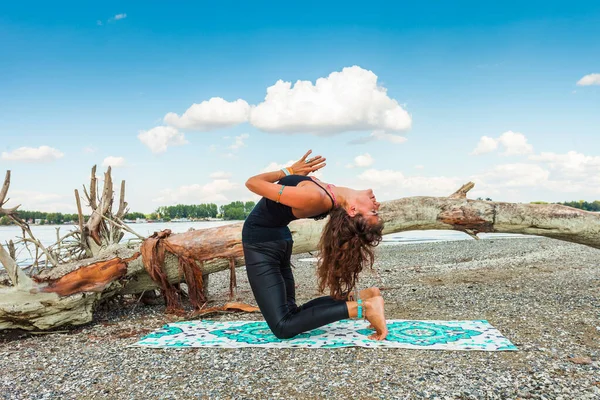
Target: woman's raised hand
[{"x": 305, "y": 165}]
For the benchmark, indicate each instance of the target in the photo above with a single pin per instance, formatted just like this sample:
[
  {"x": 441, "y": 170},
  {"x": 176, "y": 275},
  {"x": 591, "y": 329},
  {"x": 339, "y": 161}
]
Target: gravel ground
[{"x": 544, "y": 295}]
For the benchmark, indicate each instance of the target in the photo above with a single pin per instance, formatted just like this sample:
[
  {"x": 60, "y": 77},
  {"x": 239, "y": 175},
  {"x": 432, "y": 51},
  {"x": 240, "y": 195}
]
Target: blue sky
[{"x": 407, "y": 99}]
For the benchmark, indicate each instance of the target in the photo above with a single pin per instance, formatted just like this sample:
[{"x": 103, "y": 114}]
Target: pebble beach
[{"x": 542, "y": 294}]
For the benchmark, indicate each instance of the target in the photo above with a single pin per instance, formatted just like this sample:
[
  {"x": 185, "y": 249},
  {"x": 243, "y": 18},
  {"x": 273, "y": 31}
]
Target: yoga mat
[{"x": 424, "y": 335}]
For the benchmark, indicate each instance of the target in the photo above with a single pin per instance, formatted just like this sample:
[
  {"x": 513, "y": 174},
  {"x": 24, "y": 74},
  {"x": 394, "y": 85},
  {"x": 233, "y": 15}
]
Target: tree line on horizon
[
  {"x": 236, "y": 210},
  {"x": 581, "y": 204}
]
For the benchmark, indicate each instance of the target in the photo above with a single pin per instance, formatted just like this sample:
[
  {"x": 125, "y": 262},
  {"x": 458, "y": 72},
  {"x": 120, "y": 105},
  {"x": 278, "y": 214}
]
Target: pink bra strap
[{"x": 329, "y": 187}]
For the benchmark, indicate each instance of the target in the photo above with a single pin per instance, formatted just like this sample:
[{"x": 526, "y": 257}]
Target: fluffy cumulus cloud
[
  {"x": 570, "y": 165},
  {"x": 588, "y": 80},
  {"x": 550, "y": 175},
  {"x": 486, "y": 145},
  {"x": 160, "y": 138},
  {"x": 513, "y": 143},
  {"x": 209, "y": 115},
  {"x": 33, "y": 154},
  {"x": 347, "y": 100},
  {"x": 363, "y": 160},
  {"x": 212, "y": 192},
  {"x": 350, "y": 100},
  {"x": 112, "y": 161}
]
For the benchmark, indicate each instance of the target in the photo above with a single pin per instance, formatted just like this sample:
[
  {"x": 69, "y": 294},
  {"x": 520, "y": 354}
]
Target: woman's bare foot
[
  {"x": 374, "y": 312},
  {"x": 369, "y": 292},
  {"x": 365, "y": 294}
]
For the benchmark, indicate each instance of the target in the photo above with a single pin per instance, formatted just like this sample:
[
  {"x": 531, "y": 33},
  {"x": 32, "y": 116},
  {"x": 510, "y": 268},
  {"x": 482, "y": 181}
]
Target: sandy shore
[{"x": 544, "y": 295}]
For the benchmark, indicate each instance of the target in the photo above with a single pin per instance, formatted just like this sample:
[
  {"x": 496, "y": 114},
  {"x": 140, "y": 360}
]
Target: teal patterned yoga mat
[{"x": 425, "y": 335}]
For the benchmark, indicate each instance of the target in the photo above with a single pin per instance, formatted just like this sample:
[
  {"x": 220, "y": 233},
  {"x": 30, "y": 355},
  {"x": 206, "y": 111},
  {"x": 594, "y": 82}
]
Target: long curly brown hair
[{"x": 346, "y": 247}]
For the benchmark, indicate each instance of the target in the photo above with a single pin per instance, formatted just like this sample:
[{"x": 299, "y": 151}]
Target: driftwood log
[{"x": 67, "y": 294}]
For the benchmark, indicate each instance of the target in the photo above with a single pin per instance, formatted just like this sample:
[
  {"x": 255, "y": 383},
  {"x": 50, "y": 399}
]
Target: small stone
[{"x": 581, "y": 360}]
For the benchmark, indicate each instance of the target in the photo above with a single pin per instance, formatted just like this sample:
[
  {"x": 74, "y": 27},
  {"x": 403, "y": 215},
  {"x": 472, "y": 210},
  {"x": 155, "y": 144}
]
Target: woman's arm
[{"x": 295, "y": 197}]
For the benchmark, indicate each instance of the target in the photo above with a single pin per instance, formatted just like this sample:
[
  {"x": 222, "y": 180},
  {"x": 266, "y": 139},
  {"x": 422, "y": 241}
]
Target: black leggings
[{"x": 270, "y": 276}]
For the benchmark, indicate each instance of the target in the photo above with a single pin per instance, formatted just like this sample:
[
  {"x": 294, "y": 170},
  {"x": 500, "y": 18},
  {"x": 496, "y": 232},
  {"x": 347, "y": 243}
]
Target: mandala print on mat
[
  {"x": 411, "y": 334},
  {"x": 166, "y": 330},
  {"x": 423, "y": 333},
  {"x": 257, "y": 333}
]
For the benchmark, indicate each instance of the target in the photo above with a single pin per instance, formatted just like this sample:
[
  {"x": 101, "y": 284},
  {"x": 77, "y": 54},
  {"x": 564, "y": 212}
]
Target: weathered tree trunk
[{"x": 38, "y": 303}]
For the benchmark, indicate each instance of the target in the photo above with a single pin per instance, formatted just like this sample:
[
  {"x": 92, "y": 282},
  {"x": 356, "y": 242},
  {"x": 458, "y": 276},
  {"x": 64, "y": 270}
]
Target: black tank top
[{"x": 268, "y": 220}]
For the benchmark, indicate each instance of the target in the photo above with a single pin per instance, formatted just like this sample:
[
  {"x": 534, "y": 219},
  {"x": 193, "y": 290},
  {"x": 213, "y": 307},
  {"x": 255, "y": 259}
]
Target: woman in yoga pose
[{"x": 346, "y": 246}]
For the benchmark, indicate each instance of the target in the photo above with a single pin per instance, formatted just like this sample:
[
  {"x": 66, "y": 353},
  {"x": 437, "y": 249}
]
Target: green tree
[
  {"x": 583, "y": 205},
  {"x": 134, "y": 215}
]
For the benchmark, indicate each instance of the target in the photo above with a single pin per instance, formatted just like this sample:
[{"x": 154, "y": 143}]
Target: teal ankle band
[{"x": 360, "y": 309}]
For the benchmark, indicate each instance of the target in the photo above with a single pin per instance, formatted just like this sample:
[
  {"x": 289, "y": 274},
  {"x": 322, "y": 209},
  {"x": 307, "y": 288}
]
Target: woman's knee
[{"x": 282, "y": 331}]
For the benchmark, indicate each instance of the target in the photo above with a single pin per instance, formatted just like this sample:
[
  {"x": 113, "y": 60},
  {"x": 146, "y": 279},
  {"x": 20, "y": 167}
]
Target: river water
[{"x": 47, "y": 234}]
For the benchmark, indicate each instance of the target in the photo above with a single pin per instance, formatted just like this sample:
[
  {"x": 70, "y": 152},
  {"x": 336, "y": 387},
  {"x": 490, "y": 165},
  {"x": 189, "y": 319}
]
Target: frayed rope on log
[
  {"x": 153, "y": 256},
  {"x": 154, "y": 250}
]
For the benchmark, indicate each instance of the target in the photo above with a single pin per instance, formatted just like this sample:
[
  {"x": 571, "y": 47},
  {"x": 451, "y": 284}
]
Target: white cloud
[
  {"x": 274, "y": 166},
  {"x": 486, "y": 144},
  {"x": 514, "y": 143},
  {"x": 397, "y": 185},
  {"x": 112, "y": 20},
  {"x": 570, "y": 165},
  {"x": 112, "y": 161},
  {"x": 40, "y": 201},
  {"x": 33, "y": 154},
  {"x": 220, "y": 175},
  {"x": 212, "y": 192},
  {"x": 89, "y": 150},
  {"x": 160, "y": 138},
  {"x": 550, "y": 182},
  {"x": 513, "y": 175},
  {"x": 209, "y": 115},
  {"x": 239, "y": 141},
  {"x": 349, "y": 100},
  {"x": 588, "y": 80},
  {"x": 549, "y": 176},
  {"x": 419, "y": 166},
  {"x": 363, "y": 160}
]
